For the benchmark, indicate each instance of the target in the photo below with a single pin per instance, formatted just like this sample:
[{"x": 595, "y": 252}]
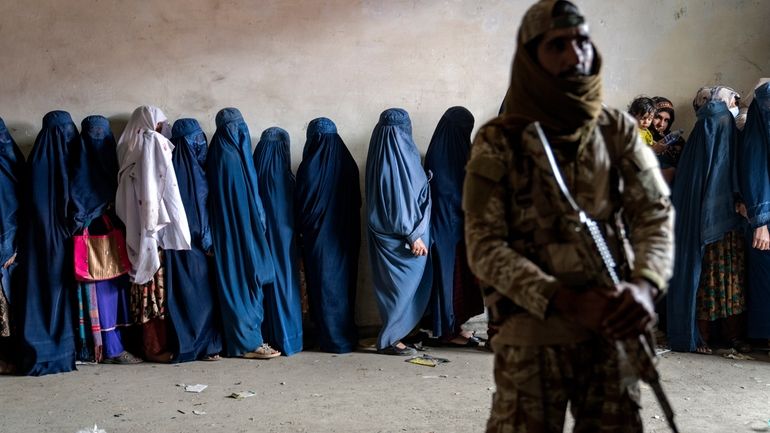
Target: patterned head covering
[
  {"x": 717, "y": 93},
  {"x": 664, "y": 104}
]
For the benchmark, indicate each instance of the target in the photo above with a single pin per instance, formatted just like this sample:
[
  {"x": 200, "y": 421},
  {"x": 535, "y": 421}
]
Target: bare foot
[
  {"x": 466, "y": 334},
  {"x": 703, "y": 350}
]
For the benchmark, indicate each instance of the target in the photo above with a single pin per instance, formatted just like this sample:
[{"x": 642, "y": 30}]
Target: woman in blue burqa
[
  {"x": 11, "y": 175},
  {"x": 398, "y": 214},
  {"x": 103, "y": 306},
  {"x": 707, "y": 289},
  {"x": 328, "y": 218},
  {"x": 754, "y": 176},
  {"x": 44, "y": 281},
  {"x": 243, "y": 262},
  {"x": 283, "y": 307},
  {"x": 192, "y": 312},
  {"x": 455, "y": 296}
]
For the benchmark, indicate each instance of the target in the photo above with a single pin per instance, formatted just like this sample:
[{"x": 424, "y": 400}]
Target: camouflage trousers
[{"x": 535, "y": 384}]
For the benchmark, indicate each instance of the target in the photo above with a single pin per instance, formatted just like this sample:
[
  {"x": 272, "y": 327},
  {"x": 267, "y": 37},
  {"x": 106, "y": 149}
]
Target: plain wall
[{"x": 286, "y": 62}]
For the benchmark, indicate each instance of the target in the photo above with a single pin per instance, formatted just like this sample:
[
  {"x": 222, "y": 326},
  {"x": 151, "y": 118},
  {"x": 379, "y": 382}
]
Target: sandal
[
  {"x": 124, "y": 358},
  {"x": 471, "y": 341},
  {"x": 393, "y": 349},
  {"x": 262, "y": 352},
  {"x": 472, "y": 334},
  {"x": 214, "y": 357}
]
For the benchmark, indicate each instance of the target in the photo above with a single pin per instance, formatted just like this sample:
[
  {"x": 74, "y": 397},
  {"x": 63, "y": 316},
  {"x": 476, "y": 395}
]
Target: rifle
[{"x": 635, "y": 355}]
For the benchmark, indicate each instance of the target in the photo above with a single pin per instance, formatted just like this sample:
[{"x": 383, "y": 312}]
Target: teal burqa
[
  {"x": 455, "y": 297},
  {"x": 11, "y": 193},
  {"x": 328, "y": 200},
  {"x": 44, "y": 282},
  {"x": 243, "y": 261},
  {"x": 398, "y": 213},
  {"x": 703, "y": 197},
  {"x": 754, "y": 177},
  {"x": 283, "y": 307},
  {"x": 189, "y": 287}
]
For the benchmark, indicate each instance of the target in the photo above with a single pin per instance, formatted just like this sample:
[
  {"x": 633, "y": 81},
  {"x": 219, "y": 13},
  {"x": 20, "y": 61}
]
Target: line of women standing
[
  {"x": 720, "y": 192},
  {"x": 214, "y": 235}
]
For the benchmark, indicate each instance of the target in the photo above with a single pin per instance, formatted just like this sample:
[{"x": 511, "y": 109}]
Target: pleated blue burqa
[
  {"x": 190, "y": 292},
  {"x": 398, "y": 213},
  {"x": 243, "y": 263},
  {"x": 282, "y": 326},
  {"x": 44, "y": 281},
  {"x": 754, "y": 177},
  {"x": 703, "y": 196},
  {"x": 11, "y": 176},
  {"x": 455, "y": 296},
  {"x": 328, "y": 204}
]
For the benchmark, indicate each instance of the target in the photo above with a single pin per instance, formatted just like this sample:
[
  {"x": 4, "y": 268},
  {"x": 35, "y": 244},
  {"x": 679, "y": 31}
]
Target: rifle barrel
[{"x": 664, "y": 404}]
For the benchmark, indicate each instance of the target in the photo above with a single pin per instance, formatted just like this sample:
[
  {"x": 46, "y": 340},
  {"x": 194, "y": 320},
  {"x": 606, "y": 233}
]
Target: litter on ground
[
  {"x": 242, "y": 394},
  {"x": 427, "y": 360}
]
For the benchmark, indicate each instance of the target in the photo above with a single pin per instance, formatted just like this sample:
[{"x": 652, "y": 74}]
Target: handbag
[{"x": 100, "y": 257}]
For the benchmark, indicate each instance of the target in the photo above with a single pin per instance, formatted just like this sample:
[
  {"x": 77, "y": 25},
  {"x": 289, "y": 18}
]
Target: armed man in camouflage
[{"x": 558, "y": 316}]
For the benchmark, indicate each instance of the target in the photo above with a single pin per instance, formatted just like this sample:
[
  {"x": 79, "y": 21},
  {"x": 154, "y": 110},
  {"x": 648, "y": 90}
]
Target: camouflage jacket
[{"x": 524, "y": 240}]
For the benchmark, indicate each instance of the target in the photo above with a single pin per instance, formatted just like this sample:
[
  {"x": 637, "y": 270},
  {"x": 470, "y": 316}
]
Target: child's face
[{"x": 646, "y": 120}]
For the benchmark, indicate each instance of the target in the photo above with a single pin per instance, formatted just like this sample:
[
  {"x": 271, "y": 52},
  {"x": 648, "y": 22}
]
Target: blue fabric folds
[
  {"x": 242, "y": 256},
  {"x": 189, "y": 285},
  {"x": 328, "y": 204},
  {"x": 282, "y": 326},
  {"x": 453, "y": 300},
  {"x": 754, "y": 176},
  {"x": 703, "y": 197},
  {"x": 94, "y": 172},
  {"x": 11, "y": 175},
  {"x": 44, "y": 281},
  {"x": 398, "y": 213}
]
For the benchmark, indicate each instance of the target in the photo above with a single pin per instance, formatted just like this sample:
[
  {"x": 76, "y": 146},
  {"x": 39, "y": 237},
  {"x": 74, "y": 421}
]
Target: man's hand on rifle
[{"x": 633, "y": 309}]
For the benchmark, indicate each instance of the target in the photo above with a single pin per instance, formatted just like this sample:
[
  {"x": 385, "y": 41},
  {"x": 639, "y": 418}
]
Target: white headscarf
[{"x": 148, "y": 199}]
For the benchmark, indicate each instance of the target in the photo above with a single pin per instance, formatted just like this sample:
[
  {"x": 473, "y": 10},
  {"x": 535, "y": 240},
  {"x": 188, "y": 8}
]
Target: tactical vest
[{"x": 542, "y": 225}]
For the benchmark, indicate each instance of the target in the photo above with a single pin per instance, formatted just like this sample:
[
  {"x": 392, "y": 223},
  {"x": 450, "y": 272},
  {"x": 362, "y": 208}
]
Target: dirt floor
[{"x": 360, "y": 392}]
